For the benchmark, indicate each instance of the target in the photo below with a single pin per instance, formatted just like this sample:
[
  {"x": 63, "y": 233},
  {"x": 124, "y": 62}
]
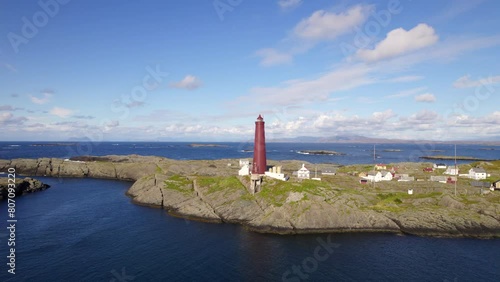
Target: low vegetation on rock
[{"x": 212, "y": 191}]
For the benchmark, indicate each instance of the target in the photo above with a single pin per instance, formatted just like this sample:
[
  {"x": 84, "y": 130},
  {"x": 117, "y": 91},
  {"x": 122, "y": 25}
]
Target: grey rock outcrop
[
  {"x": 201, "y": 190},
  {"x": 22, "y": 186}
]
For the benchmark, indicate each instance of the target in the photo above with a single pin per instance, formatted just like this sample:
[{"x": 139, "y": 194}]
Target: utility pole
[{"x": 456, "y": 170}]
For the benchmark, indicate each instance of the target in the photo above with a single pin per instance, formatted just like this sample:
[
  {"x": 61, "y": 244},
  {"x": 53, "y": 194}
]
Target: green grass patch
[
  {"x": 158, "y": 170},
  {"x": 349, "y": 191},
  {"x": 179, "y": 183},
  {"x": 467, "y": 201},
  {"x": 206, "y": 181},
  {"x": 493, "y": 198},
  {"x": 394, "y": 202},
  {"x": 219, "y": 183},
  {"x": 276, "y": 191},
  {"x": 401, "y": 195},
  {"x": 248, "y": 197},
  {"x": 394, "y": 209}
]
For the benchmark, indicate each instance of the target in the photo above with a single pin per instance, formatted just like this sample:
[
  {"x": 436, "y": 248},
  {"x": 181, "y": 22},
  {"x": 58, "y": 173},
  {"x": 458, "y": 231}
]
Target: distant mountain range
[{"x": 495, "y": 141}]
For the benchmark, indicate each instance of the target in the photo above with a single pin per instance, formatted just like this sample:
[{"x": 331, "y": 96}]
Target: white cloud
[
  {"x": 322, "y": 25},
  {"x": 8, "y": 119},
  {"x": 110, "y": 125},
  {"x": 189, "y": 82},
  {"x": 424, "y": 116},
  {"x": 5, "y": 116},
  {"x": 6, "y": 108},
  {"x": 408, "y": 78},
  {"x": 272, "y": 57},
  {"x": 383, "y": 116},
  {"x": 289, "y": 4},
  {"x": 83, "y": 117},
  {"x": 426, "y": 98},
  {"x": 399, "y": 42},
  {"x": 318, "y": 89},
  {"x": 406, "y": 93},
  {"x": 466, "y": 82},
  {"x": 319, "y": 26},
  {"x": 207, "y": 130},
  {"x": 60, "y": 112},
  {"x": 46, "y": 96}
]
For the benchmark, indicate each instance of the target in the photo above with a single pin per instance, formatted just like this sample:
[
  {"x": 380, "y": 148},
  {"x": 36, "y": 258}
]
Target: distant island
[
  {"x": 52, "y": 144},
  {"x": 373, "y": 140},
  {"x": 392, "y": 150},
  {"x": 460, "y": 158},
  {"x": 196, "y": 145},
  {"x": 320, "y": 152}
]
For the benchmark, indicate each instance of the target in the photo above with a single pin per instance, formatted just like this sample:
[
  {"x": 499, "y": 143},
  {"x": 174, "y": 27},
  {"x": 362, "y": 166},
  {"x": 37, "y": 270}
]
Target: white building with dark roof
[
  {"x": 439, "y": 166},
  {"x": 451, "y": 170},
  {"x": 377, "y": 176},
  {"x": 303, "y": 173},
  {"x": 477, "y": 173}
]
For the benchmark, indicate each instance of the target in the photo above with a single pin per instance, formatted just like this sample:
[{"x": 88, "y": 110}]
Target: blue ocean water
[
  {"x": 354, "y": 153},
  {"x": 88, "y": 230}
]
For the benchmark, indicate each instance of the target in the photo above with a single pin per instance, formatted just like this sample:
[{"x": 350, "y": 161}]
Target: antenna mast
[
  {"x": 456, "y": 171},
  {"x": 374, "y": 155}
]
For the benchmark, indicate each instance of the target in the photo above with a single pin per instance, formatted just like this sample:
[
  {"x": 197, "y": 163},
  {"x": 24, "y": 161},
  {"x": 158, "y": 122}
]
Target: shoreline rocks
[
  {"x": 320, "y": 152},
  {"x": 458, "y": 158},
  {"x": 22, "y": 186},
  {"x": 203, "y": 191}
]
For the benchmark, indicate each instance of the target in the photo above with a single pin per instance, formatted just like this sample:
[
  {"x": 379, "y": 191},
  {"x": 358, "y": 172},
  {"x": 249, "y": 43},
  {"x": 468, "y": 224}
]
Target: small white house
[
  {"x": 329, "y": 172},
  {"x": 477, "y": 173},
  {"x": 451, "y": 170},
  {"x": 406, "y": 179},
  {"x": 386, "y": 176},
  {"x": 439, "y": 166},
  {"x": 244, "y": 170},
  {"x": 373, "y": 176},
  {"x": 377, "y": 176},
  {"x": 303, "y": 173},
  {"x": 275, "y": 172}
]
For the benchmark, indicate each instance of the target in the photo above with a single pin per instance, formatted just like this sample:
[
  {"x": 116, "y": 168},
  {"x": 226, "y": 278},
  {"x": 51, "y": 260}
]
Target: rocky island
[
  {"x": 211, "y": 191},
  {"x": 320, "y": 152},
  {"x": 198, "y": 145},
  {"x": 459, "y": 158},
  {"x": 22, "y": 186}
]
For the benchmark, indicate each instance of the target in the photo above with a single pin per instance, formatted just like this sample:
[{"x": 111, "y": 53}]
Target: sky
[{"x": 204, "y": 70}]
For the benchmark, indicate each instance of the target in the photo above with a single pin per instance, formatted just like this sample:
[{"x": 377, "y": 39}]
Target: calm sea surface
[
  {"x": 354, "y": 153},
  {"x": 88, "y": 230}
]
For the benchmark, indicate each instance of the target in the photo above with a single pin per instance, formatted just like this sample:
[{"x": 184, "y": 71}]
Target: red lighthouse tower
[{"x": 259, "y": 165}]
